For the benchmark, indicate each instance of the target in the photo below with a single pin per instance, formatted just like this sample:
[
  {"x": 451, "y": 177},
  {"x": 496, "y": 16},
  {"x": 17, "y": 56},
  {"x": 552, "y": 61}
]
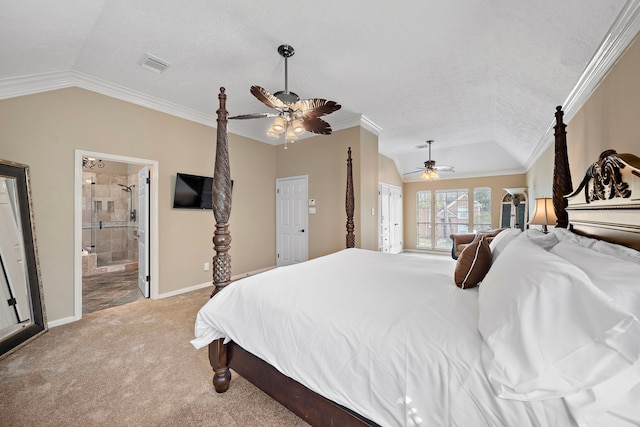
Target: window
[
  {"x": 451, "y": 216},
  {"x": 481, "y": 208},
  {"x": 444, "y": 212},
  {"x": 423, "y": 217},
  {"x": 439, "y": 214}
]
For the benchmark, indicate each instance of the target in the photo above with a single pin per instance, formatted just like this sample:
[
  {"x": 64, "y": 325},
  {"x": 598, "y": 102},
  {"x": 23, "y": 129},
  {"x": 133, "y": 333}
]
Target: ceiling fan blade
[
  {"x": 253, "y": 116},
  {"x": 315, "y": 107},
  {"x": 316, "y": 125},
  {"x": 444, "y": 168},
  {"x": 268, "y": 99},
  {"x": 415, "y": 171}
]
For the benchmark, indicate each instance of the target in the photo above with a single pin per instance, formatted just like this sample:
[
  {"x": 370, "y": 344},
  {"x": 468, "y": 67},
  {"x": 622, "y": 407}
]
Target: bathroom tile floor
[{"x": 106, "y": 290}]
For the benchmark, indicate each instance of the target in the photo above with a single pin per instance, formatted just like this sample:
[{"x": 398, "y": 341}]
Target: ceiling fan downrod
[
  {"x": 286, "y": 51},
  {"x": 430, "y": 163}
]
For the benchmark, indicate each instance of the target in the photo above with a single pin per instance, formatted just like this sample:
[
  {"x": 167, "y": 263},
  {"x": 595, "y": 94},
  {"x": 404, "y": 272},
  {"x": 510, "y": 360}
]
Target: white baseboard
[
  {"x": 60, "y": 322},
  {"x": 251, "y": 273},
  {"x": 209, "y": 284},
  {"x": 183, "y": 290}
]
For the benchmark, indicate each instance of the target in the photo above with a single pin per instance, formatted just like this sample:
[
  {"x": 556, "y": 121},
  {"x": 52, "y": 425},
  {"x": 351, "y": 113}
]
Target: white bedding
[
  {"x": 549, "y": 331},
  {"x": 388, "y": 336}
]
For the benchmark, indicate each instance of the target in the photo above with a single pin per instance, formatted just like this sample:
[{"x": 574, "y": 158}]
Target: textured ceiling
[{"x": 482, "y": 79}]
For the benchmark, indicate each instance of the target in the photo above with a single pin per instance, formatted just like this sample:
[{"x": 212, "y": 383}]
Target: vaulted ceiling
[{"x": 482, "y": 79}]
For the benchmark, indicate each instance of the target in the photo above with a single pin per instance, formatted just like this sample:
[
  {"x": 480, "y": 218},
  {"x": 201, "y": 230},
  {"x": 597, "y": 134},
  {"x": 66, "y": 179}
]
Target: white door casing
[
  {"x": 143, "y": 231},
  {"x": 154, "y": 282},
  {"x": 390, "y": 209},
  {"x": 292, "y": 217},
  {"x": 383, "y": 203}
]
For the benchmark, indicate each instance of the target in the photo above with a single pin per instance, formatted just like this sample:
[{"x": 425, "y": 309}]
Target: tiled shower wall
[{"x": 117, "y": 240}]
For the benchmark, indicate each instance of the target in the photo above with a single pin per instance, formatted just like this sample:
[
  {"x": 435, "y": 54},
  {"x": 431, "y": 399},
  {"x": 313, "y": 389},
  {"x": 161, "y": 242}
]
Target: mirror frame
[{"x": 20, "y": 173}]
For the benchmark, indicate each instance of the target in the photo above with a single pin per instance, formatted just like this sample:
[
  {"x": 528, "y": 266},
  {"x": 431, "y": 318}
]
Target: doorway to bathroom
[{"x": 114, "y": 194}]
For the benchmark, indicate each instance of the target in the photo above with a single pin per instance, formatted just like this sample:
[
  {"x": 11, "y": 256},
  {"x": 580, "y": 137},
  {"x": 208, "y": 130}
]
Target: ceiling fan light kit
[
  {"x": 295, "y": 116},
  {"x": 429, "y": 174}
]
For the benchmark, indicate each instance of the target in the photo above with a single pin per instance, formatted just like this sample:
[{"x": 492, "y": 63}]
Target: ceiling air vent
[{"x": 154, "y": 63}]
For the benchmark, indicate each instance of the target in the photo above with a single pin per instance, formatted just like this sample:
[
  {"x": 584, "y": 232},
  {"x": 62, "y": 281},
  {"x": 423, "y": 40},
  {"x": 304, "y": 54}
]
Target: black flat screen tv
[{"x": 193, "y": 192}]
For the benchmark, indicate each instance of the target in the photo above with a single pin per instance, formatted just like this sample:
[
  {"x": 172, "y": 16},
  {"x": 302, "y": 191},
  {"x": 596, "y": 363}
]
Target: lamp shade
[
  {"x": 297, "y": 127},
  {"x": 278, "y": 125},
  {"x": 429, "y": 174},
  {"x": 543, "y": 213}
]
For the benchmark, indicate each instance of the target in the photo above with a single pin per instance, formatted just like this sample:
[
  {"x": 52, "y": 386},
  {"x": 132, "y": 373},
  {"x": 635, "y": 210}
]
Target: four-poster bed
[{"x": 390, "y": 397}]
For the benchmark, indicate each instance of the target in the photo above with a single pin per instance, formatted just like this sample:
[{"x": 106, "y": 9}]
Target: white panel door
[
  {"x": 292, "y": 241},
  {"x": 395, "y": 219},
  {"x": 143, "y": 231}
]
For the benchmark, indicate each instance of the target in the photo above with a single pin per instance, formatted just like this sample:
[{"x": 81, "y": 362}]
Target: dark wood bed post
[
  {"x": 221, "y": 239},
  {"x": 350, "y": 203},
  {"x": 561, "y": 174}
]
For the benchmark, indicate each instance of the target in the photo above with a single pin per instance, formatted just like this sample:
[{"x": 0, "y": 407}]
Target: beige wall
[
  {"x": 608, "y": 120},
  {"x": 540, "y": 177},
  {"x": 368, "y": 200},
  {"x": 496, "y": 183},
  {"x": 44, "y": 130},
  {"x": 324, "y": 160},
  {"x": 388, "y": 172}
]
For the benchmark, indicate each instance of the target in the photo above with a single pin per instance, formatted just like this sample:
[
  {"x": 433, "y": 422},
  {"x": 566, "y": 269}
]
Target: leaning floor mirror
[{"x": 22, "y": 314}]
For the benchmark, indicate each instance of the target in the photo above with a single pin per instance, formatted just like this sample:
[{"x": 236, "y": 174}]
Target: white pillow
[
  {"x": 501, "y": 240},
  {"x": 545, "y": 240},
  {"x": 617, "y": 251},
  {"x": 616, "y": 277},
  {"x": 563, "y": 234},
  {"x": 598, "y": 245},
  {"x": 547, "y": 330}
]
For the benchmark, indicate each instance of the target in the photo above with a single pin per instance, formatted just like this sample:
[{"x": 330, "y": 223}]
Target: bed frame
[{"x": 606, "y": 205}]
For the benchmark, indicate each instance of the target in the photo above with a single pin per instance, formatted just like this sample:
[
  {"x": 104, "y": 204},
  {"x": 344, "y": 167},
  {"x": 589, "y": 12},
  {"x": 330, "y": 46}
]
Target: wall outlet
[{"x": 206, "y": 266}]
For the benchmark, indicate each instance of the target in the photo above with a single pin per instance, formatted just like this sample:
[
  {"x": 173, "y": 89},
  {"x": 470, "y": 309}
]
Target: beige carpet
[{"x": 131, "y": 365}]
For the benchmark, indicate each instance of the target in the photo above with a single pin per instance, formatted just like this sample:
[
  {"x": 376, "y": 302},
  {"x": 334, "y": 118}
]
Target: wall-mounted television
[{"x": 193, "y": 192}]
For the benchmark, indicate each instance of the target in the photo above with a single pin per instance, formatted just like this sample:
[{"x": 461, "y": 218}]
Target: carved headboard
[{"x": 606, "y": 204}]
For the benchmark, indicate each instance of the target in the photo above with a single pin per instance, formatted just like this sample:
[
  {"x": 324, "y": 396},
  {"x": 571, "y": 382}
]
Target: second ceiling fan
[
  {"x": 430, "y": 170},
  {"x": 295, "y": 115}
]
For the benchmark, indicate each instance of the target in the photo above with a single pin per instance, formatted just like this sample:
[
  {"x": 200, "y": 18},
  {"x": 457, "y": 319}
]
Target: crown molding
[
  {"x": 622, "y": 32},
  {"x": 29, "y": 85},
  {"x": 122, "y": 93},
  {"x": 357, "y": 120}
]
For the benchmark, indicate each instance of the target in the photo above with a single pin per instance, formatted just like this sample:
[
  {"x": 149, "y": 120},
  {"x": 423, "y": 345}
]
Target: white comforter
[{"x": 388, "y": 336}]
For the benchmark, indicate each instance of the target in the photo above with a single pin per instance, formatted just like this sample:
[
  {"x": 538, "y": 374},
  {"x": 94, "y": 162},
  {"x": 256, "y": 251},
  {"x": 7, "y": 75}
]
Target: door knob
[{"x": 302, "y": 231}]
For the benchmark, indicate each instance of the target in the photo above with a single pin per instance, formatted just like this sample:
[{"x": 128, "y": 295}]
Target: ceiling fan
[
  {"x": 430, "y": 170},
  {"x": 295, "y": 115}
]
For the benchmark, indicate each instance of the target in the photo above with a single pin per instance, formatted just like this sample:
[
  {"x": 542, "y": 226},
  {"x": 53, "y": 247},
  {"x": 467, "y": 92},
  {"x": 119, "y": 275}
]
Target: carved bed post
[
  {"x": 221, "y": 239},
  {"x": 351, "y": 239},
  {"x": 222, "y": 201},
  {"x": 561, "y": 174}
]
